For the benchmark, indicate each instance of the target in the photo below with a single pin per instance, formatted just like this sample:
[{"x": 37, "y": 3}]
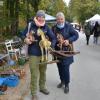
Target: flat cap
[{"x": 40, "y": 13}]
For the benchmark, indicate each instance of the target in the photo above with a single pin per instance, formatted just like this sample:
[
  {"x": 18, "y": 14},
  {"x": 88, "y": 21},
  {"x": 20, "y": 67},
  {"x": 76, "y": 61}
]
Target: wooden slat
[
  {"x": 64, "y": 53},
  {"x": 49, "y": 62}
]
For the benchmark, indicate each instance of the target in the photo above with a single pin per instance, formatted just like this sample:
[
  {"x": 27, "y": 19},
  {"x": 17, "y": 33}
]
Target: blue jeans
[
  {"x": 64, "y": 72},
  {"x": 95, "y": 40}
]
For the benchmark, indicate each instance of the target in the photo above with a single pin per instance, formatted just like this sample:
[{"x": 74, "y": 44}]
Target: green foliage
[
  {"x": 44, "y": 4},
  {"x": 34, "y": 4},
  {"x": 58, "y": 5},
  {"x": 54, "y": 6},
  {"x": 84, "y": 9},
  {"x": 5, "y": 22},
  {"x": 14, "y": 13}
]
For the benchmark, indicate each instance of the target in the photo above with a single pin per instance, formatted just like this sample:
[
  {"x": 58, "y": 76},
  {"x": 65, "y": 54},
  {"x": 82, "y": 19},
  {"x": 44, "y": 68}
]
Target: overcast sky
[{"x": 67, "y": 1}]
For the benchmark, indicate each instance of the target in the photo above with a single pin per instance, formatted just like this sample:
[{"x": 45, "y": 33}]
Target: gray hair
[{"x": 60, "y": 14}]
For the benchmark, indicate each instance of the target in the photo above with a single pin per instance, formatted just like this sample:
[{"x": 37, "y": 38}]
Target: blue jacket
[
  {"x": 68, "y": 32},
  {"x": 34, "y": 48}
]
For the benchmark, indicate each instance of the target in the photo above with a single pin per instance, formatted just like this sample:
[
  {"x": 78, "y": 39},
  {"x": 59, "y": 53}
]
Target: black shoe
[
  {"x": 66, "y": 90},
  {"x": 44, "y": 91},
  {"x": 60, "y": 85},
  {"x": 87, "y": 43}
]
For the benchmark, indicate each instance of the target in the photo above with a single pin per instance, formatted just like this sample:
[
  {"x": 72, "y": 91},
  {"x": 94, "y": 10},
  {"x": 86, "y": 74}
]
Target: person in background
[
  {"x": 96, "y": 32},
  {"x": 70, "y": 35},
  {"x": 87, "y": 30},
  {"x": 38, "y": 71}
]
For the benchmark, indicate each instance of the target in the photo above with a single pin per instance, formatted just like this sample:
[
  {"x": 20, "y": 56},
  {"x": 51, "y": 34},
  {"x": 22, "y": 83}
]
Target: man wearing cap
[
  {"x": 38, "y": 70},
  {"x": 69, "y": 36}
]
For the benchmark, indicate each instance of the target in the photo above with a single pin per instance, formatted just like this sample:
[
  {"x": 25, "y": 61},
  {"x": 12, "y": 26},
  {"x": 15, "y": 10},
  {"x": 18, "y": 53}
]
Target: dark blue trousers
[{"x": 64, "y": 72}]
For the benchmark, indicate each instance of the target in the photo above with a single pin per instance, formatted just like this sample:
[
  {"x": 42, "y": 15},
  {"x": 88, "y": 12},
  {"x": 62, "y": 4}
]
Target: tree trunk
[
  {"x": 27, "y": 17},
  {"x": 16, "y": 16}
]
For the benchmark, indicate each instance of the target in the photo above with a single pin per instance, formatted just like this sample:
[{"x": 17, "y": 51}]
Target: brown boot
[
  {"x": 34, "y": 97},
  {"x": 44, "y": 91}
]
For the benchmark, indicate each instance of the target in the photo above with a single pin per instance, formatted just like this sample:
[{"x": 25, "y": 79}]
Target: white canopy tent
[
  {"x": 93, "y": 19},
  {"x": 49, "y": 17}
]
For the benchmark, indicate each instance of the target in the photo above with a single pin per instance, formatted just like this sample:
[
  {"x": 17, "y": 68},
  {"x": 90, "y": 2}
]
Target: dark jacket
[
  {"x": 87, "y": 29},
  {"x": 34, "y": 48},
  {"x": 96, "y": 30},
  {"x": 68, "y": 32}
]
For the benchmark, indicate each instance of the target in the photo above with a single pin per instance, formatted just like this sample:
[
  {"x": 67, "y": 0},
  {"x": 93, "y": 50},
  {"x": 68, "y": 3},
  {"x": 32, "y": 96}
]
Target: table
[
  {"x": 14, "y": 42},
  {"x": 2, "y": 56}
]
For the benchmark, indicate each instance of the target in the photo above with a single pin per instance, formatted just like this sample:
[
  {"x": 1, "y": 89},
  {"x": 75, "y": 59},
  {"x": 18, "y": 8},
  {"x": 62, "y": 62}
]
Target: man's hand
[{"x": 66, "y": 42}]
